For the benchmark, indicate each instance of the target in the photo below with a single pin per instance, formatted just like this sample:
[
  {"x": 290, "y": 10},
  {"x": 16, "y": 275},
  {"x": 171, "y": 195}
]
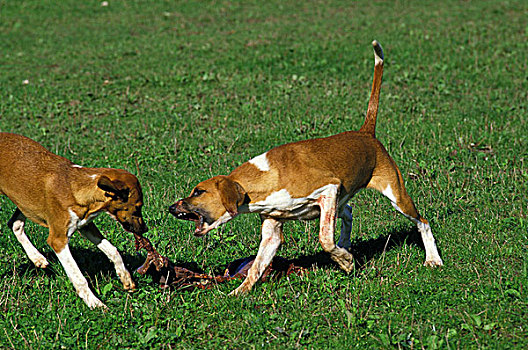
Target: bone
[
  {"x": 178, "y": 277},
  {"x": 153, "y": 257},
  {"x": 168, "y": 274}
]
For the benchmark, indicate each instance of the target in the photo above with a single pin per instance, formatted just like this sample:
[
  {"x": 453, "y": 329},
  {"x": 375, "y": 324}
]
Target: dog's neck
[{"x": 84, "y": 188}]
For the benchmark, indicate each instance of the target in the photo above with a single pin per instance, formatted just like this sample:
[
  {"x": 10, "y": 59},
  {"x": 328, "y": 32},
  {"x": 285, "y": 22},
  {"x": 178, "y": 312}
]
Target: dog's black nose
[{"x": 143, "y": 228}]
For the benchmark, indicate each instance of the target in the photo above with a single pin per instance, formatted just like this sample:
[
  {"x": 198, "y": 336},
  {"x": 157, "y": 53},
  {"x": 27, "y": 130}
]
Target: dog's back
[
  {"x": 27, "y": 170},
  {"x": 20, "y": 157}
]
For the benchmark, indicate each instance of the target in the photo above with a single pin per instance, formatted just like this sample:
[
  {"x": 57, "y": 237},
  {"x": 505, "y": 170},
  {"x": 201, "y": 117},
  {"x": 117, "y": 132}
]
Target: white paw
[
  {"x": 95, "y": 303},
  {"x": 92, "y": 302},
  {"x": 128, "y": 283},
  {"x": 344, "y": 259},
  {"x": 433, "y": 262},
  {"x": 242, "y": 289},
  {"x": 40, "y": 261},
  {"x": 347, "y": 266}
]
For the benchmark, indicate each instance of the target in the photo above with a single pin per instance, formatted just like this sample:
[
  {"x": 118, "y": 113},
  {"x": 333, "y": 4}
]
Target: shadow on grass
[
  {"x": 364, "y": 251},
  {"x": 93, "y": 262}
]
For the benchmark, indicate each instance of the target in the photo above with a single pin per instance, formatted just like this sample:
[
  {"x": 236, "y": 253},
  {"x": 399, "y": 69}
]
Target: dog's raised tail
[{"x": 369, "y": 126}]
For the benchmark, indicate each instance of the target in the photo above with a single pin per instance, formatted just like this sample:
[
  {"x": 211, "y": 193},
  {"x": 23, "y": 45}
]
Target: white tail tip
[{"x": 378, "y": 52}]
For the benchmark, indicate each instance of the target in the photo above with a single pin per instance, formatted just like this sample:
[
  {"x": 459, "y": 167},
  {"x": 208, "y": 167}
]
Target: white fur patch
[
  {"x": 431, "y": 252},
  {"x": 75, "y": 223},
  {"x": 387, "y": 192},
  {"x": 278, "y": 199},
  {"x": 113, "y": 254},
  {"x": 281, "y": 203},
  {"x": 110, "y": 251},
  {"x": 76, "y": 166},
  {"x": 221, "y": 220},
  {"x": 261, "y": 162},
  {"x": 377, "y": 60}
]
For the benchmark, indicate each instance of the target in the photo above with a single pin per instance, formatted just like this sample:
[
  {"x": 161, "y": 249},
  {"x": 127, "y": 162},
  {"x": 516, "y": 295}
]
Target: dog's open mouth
[
  {"x": 196, "y": 218},
  {"x": 204, "y": 222},
  {"x": 187, "y": 216}
]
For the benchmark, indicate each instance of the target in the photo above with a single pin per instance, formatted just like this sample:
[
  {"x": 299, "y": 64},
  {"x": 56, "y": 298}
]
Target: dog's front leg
[
  {"x": 328, "y": 205},
  {"x": 271, "y": 240},
  {"x": 58, "y": 240},
  {"x": 92, "y": 233}
]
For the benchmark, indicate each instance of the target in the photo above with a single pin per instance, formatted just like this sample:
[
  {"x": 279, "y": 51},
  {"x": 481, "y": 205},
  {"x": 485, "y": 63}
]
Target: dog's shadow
[
  {"x": 94, "y": 263},
  {"x": 364, "y": 251},
  {"x": 91, "y": 262}
]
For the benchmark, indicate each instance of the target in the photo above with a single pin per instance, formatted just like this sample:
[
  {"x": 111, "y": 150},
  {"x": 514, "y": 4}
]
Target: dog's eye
[{"x": 197, "y": 192}]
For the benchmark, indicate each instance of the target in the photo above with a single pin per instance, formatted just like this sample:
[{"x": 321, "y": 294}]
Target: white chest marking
[
  {"x": 221, "y": 220},
  {"x": 261, "y": 162},
  {"x": 76, "y": 223}
]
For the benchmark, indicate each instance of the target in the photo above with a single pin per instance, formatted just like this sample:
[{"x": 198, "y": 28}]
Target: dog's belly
[
  {"x": 282, "y": 205},
  {"x": 308, "y": 211}
]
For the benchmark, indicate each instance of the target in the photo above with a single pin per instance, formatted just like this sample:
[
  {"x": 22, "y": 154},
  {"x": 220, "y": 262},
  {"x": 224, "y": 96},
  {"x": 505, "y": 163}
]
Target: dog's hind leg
[
  {"x": 92, "y": 233},
  {"x": 328, "y": 205},
  {"x": 271, "y": 240},
  {"x": 391, "y": 186},
  {"x": 346, "y": 227},
  {"x": 16, "y": 223}
]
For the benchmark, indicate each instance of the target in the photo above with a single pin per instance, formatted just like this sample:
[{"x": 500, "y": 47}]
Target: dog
[
  {"x": 303, "y": 181},
  {"x": 55, "y": 193}
]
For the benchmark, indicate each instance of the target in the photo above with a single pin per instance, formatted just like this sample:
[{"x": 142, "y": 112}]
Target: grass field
[{"x": 176, "y": 92}]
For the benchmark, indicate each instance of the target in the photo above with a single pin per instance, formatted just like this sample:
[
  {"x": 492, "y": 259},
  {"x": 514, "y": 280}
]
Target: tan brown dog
[
  {"x": 307, "y": 180},
  {"x": 55, "y": 193}
]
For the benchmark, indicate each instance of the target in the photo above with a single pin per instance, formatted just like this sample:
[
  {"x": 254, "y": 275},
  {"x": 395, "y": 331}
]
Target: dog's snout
[
  {"x": 135, "y": 226},
  {"x": 143, "y": 228}
]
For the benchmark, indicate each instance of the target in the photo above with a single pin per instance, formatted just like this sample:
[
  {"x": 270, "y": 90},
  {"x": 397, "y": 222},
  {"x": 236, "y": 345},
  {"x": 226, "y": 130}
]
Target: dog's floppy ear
[
  {"x": 114, "y": 189},
  {"x": 232, "y": 195}
]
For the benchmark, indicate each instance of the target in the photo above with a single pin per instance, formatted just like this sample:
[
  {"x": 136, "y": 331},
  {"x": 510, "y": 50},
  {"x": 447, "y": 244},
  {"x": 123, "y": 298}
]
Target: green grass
[{"x": 176, "y": 92}]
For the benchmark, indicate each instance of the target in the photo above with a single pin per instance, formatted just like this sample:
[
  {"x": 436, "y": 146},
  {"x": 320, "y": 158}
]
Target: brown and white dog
[
  {"x": 307, "y": 180},
  {"x": 55, "y": 193}
]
